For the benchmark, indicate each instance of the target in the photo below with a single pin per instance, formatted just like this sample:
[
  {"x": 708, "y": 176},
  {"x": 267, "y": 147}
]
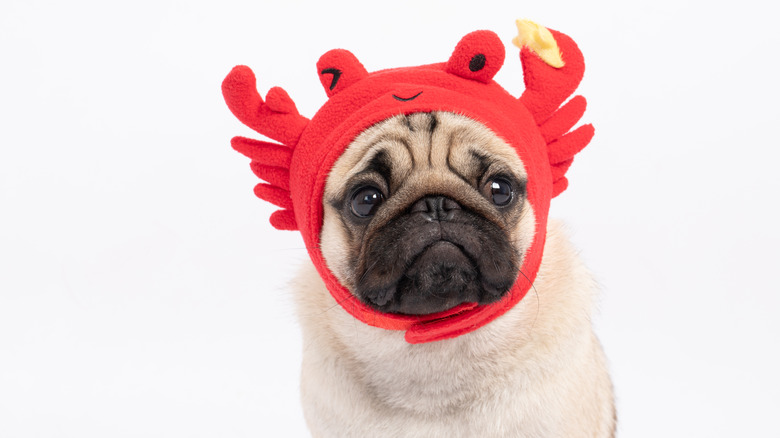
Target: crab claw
[
  {"x": 552, "y": 68},
  {"x": 277, "y": 119}
]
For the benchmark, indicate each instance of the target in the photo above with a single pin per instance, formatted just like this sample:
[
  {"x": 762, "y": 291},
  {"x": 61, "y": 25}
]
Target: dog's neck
[{"x": 541, "y": 348}]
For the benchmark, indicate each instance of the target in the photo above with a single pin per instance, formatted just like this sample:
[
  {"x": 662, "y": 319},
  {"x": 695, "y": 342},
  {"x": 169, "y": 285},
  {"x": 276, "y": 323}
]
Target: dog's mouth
[
  {"x": 424, "y": 267},
  {"x": 440, "y": 278}
]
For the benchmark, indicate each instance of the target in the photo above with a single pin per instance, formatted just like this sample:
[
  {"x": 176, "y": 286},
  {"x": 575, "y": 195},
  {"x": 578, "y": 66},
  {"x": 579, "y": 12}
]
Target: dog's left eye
[
  {"x": 365, "y": 201},
  {"x": 500, "y": 192}
]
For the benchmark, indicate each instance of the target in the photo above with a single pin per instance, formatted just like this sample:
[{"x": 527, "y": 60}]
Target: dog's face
[{"x": 425, "y": 212}]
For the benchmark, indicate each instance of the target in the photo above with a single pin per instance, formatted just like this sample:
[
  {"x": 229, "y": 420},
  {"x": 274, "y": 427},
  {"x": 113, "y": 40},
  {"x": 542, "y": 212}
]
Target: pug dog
[
  {"x": 440, "y": 301},
  {"x": 417, "y": 220}
]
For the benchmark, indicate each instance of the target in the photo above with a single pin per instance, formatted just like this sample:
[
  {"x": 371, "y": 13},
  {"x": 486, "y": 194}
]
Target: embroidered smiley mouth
[{"x": 406, "y": 99}]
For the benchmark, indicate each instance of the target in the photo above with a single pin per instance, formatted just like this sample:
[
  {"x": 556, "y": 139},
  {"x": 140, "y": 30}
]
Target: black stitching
[
  {"x": 406, "y": 99},
  {"x": 336, "y": 75}
]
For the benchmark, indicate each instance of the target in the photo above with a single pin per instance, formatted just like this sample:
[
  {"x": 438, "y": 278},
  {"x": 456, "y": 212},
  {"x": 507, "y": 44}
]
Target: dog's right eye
[
  {"x": 500, "y": 192},
  {"x": 365, "y": 201}
]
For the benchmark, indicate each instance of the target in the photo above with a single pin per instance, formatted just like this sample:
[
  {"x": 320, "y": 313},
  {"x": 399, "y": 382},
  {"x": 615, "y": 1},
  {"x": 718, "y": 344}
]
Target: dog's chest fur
[{"x": 537, "y": 371}]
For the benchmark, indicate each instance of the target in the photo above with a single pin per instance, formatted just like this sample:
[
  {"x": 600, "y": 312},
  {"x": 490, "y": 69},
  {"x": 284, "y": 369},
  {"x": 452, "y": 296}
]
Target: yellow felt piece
[{"x": 540, "y": 40}]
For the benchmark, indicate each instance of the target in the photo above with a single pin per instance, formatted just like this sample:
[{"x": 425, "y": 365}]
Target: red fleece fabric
[
  {"x": 563, "y": 119},
  {"x": 535, "y": 125}
]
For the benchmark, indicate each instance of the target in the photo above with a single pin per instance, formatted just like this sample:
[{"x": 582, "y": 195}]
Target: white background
[{"x": 143, "y": 292}]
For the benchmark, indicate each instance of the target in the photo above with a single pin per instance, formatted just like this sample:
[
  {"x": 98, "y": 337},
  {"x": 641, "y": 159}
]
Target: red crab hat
[{"x": 535, "y": 125}]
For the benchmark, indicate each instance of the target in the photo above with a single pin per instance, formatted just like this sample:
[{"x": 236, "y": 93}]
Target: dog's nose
[{"x": 435, "y": 207}]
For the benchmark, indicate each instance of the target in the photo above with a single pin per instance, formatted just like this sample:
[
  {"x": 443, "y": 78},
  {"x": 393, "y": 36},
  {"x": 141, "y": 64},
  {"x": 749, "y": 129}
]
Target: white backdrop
[{"x": 142, "y": 290}]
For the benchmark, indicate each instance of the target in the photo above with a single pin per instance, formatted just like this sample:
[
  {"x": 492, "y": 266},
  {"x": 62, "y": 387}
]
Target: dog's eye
[
  {"x": 365, "y": 201},
  {"x": 500, "y": 192}
]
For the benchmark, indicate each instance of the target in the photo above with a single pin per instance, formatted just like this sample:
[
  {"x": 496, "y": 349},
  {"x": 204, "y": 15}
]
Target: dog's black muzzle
[{"x": 436, "y": 256}]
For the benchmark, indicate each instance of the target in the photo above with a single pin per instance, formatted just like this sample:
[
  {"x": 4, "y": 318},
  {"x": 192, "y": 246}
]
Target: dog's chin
[{"x": 441, "y": 278}]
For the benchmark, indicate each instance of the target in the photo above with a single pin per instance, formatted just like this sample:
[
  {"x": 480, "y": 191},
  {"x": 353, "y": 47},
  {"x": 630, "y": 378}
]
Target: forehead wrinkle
[
  {"x": 442, "y": 141},
  {"x": 482, "y": 140},
  {"x": 490, "y": 155},
  {"x": 402, "y": 163},
  {"x": 446, "y": 139},
  {"x": 420, "y": 137},
  {"x": 456, "y": 154},
  {"x": 390, "y": 144},
  {"x": 390, "y": 135}
]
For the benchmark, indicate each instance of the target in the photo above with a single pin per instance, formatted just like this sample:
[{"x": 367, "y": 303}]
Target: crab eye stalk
[
  {"x": 501, "y": 192},
  {"x": 478, "y": 56},
  {"x": 365, "y": 201}
]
